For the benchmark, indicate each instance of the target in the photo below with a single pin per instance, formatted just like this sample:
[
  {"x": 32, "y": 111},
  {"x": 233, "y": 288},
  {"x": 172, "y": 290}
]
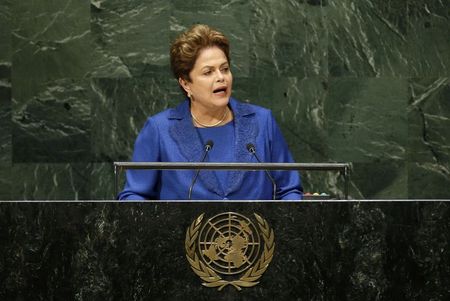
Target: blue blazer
[{"x": 170, "y": 136}]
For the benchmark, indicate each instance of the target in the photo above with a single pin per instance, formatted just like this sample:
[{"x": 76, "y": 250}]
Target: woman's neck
[{"x": 210, "y": 117}]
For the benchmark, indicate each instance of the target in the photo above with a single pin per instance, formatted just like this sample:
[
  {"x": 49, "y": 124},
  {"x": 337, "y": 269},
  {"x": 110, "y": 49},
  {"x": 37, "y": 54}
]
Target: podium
[
  {"x": 322, "y": 250},
  {"x": 343, "y": 168}
]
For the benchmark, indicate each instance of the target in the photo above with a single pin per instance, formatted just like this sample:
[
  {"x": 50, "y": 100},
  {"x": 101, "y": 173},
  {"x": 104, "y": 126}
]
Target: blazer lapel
[
  {"x": 246, "y": 131},
  {"x": 184, "y": 133}
]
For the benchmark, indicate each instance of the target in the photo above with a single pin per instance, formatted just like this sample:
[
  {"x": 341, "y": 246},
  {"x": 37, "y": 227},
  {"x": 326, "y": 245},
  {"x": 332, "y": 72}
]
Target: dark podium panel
[{"x": 325, "y": 250}]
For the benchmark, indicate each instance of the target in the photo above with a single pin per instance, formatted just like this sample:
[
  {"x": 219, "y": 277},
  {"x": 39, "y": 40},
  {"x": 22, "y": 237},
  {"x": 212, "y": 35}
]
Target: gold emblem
[{"x": 229, "y": 249}]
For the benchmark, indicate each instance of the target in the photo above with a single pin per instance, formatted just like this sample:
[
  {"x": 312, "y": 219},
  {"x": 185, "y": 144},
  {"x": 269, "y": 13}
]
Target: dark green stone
[
  {"x": 5, "y": 121},
  {"x": 367, "y": 38},
  {"x": 287, "y": 39},
  {"x": 364, "y": 82},
  {"x": 366, "y": 119},
  {"x": 54, "y": 124},
  {"x": 229, "y": 17},
  {"x": 131, "y": 38},
  {"x": 5, "y": 86},
  {"x": 50, "y": 40},
  {"x": 428, "y": 120},
  {"x": 5, "y": 33},
  {"x": 384, "y": 179},
  {"x": 428, "y": 38},
  {"x": 428, "y": 180},
  {"x": 43, "y": 181},
  {"x": 323, "y": 251},
  {"x": 121, "y": 107}
]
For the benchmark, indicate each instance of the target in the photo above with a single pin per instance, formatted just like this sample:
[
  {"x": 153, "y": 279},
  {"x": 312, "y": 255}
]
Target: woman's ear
[{"x": 185, "y": 85}]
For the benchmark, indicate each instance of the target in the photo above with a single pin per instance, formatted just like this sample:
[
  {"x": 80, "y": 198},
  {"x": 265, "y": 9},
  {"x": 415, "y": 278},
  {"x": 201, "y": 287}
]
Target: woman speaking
[{"x": 211, "y": 126}]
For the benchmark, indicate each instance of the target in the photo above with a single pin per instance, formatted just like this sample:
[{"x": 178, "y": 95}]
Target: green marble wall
[{"x": 362, "y": 81}]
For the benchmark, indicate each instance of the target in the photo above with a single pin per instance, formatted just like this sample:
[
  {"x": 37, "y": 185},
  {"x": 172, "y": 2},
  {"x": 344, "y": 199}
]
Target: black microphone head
[
  {"x": 251, "y": 147},
  {"x": 209, "y": 144}
]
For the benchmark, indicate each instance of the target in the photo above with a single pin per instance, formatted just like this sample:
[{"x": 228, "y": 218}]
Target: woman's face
[{"x": 211, "y": 79}]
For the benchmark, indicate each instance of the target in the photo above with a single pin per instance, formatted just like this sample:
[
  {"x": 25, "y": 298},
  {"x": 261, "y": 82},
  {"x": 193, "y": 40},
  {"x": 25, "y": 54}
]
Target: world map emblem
[{"x": 229, "y": 249}]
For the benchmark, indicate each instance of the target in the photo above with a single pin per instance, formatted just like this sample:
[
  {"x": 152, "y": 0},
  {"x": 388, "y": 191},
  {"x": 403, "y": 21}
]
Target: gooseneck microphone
[
  {"x": 251, "y": 148},
  {"x": 208, "y": 146}
]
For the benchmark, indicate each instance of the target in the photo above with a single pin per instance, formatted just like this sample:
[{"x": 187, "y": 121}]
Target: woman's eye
[
  {"x": 207, "y": 72},
  {"x": 225, "y": 69}
]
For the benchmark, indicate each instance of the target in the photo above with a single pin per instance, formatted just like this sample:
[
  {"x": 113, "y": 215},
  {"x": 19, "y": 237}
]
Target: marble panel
[
  {"x": 229, "y": 17},
  {"x": 5, "y": 32},
  {"x": 131, "y": 38},
  {"x": 366, "y": 119},
  {"x": 428, "y": 38},
  {"x": 429, "y": 120},
  {"x": 428, "y": 180},
  {"x": 430, "y": 254},
  {"x": 287, "y": 39},
  {"x": 78, "y": 80},
  {"x": 5, "y": 83},
  {"x": 5, "y": 146},
  {"x": 102, "y": 181},
  {"x": 121, "y": 107},
  {"x": 368, "y": 38},
  {"x": 298, "y": 105},
  {"x": 331, "y": 183},
  {"x": 254, "y": 90},
  {"x": 323, "y": 251},
  {"x": 42, "y": 181},
  {"x": 50, "y": 40},
  {"x": 383, "y": 179},
  {"x": 53, "y": 125},
  {"x": 5, "y": 181},
  {"x": 5, "y": 115}
]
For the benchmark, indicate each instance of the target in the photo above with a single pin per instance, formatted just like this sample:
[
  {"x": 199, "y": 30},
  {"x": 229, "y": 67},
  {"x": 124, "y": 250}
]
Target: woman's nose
[{"x": 220, "y": 76}]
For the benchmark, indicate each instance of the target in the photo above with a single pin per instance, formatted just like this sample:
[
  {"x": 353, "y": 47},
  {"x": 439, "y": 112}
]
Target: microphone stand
[
  {"x": 252, "y": 150},
  {"x": 208, "y": 146}
]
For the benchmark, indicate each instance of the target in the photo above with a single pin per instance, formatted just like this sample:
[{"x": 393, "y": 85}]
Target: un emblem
[{"x": 229, "y": 249}]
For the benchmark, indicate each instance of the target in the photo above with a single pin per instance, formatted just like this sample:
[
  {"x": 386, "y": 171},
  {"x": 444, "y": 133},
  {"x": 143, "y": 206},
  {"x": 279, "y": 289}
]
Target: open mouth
[{"x": 221, "y": 90}]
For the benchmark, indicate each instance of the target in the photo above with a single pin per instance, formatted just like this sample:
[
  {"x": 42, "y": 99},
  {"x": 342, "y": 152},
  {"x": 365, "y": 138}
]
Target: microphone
[
  {"x": 251, "y": 148},
  {"x": 208, "y": 146}
]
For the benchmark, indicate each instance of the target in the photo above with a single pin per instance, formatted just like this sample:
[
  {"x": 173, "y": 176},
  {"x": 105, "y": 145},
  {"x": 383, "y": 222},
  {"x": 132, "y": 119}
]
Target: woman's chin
[{"x": 221, "y": 100}]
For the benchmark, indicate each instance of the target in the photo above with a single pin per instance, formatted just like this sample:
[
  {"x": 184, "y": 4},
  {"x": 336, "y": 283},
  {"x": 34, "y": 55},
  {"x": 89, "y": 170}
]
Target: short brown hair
[{"x": 187, "y": 46}]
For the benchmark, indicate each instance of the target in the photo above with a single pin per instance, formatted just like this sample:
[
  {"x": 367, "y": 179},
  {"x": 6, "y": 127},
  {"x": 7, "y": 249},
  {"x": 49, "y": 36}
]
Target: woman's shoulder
[{"x": 164, "y": 116}]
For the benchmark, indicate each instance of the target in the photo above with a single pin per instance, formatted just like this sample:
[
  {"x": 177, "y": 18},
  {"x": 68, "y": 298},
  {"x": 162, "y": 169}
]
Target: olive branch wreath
[{"x": 210, "y": 277}]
